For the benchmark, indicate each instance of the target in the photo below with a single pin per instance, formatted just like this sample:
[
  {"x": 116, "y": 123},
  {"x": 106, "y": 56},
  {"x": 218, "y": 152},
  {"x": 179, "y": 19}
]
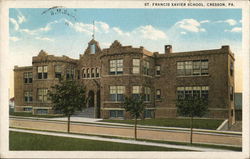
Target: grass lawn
[
  {"x": 234, "y": 148},
  {"x": 29, "y": 141},
  {"x": 174, "y": 122},
  {"x": 28, "y": 114}
]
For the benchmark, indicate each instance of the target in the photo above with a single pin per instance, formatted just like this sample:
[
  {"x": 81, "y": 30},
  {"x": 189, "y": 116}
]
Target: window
[
  {"x": 136, "y": 66},
  {"x": 231, "y": 68},
  {"x": 27, "y": 77},
  {"x": 158, "y": 70},
  {"x": 180, "y": 68},
  {"x": 204, "y": 91},
  {"x": 88, "y": 73},
  {"x": 189, "y": 68},
  {"x": 116, "y": 113},
  {"x": 158, "y": 94},
  {"x": 28, "y": 96},
  {"x": 180, "y": 92},
  {"x": 92, "y": 49},
  {"x": 195, "y": 91},
  {"x": 70, "y": 72},
  {"x": 43, "y": 94},
  {"x": 231, "y": 93},
  {"x": 149, "y": 113},
  {"x": 188, "y": 92},
  {"x": 78, "y": 74},
  {"x": 196, "y": 67},
  {"x": 42, "y": 72},
  {"x": 92, "y": 72},
  {"x": 97, "y": 72},
  {"x": 117, "y": 93},
  {"x": 145, "y": 67},
  {"x": 42, "y": 111},
  {"x": 83, "y": 73},
  {"x": 27, "y": 109},
  {"x": 58, "y": 71},
  {"x": 204, "y": 67},
  {"x": 116, "y": 67},
  {"x": 136, "y": 90},
  {"x": 147, "y": 93}
]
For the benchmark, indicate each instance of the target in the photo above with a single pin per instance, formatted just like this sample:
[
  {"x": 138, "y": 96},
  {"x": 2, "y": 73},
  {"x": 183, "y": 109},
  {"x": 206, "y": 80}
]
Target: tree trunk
[
  {"x": 191, "y": 129},
  {"x": 68, "y": 123},
  {"x": 135, "y": 128}
]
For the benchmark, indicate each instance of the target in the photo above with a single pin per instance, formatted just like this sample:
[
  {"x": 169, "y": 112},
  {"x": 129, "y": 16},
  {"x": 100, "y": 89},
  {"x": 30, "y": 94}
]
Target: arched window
[
  {"x": 97, "y": 72},
  {"x": 83, "y": 73},
  {"x": 92, "y": 72},
  {"x": 88, "y": 73}
]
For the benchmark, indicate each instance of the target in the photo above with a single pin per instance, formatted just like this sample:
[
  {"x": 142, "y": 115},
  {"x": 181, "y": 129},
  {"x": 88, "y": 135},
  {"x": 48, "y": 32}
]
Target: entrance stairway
[
  {"x": 86, "y": 113},
  {"x": 236, "y": 126}
]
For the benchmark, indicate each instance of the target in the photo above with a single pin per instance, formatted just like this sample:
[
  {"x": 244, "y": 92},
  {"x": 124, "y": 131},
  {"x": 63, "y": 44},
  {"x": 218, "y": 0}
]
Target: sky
[{"x": 65, "y": 31}]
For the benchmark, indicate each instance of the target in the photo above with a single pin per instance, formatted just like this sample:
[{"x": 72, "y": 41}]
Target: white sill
[{"x": 194, "y": 76}]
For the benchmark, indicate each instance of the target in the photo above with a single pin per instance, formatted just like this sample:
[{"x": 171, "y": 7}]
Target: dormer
[
  {"x": 93, "y": 47},
  {"x": 42, "y": 53},
  {"x": 116, "y": 44}
]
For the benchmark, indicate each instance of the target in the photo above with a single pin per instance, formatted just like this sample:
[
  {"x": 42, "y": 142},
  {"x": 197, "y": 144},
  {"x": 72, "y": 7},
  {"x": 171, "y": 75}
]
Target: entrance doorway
[
  {"x": 91, "y": 101},
  {"x": 98, "y": 104}
]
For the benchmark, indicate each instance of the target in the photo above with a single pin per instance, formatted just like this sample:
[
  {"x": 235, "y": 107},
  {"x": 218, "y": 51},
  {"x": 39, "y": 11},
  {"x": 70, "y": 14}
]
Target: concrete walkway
[
  {"x": 120, "y": 140},
  {"x": 72, "y": 119},
  {"x": 97, "y": 121}
]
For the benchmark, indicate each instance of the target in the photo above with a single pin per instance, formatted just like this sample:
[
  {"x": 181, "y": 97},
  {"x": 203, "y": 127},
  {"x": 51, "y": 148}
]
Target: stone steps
[
  {"x": 237, "y": 126},
  {"x": 86, "y": 113}
]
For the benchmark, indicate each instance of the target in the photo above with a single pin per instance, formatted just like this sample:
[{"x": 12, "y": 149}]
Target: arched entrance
[
  {"x": 91, "y": 99},
  {"x": 98, "y": 104}
]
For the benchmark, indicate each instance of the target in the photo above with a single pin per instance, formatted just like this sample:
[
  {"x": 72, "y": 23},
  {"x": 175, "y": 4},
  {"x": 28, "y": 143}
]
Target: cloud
[
  {"x": 234, "y": 30},
  {"x": 105, "y": 44},
  {"x": 183, "y": 33},
  {"x": 120, "y": 32},
  {"x": 14, "y": 38},
  {"x": 80, "y": 27},
  {"x": 149, "y": 32},
  {"x": 44, "y": 39},
  {"x": 103, "y": 26},
  {"x": 204, "y": 21},
  {"x": 46, "y": 28},
  {"x": 191, "y": 25},
  {"x": 14, "y": 22},
  {"x": 20, "y": 17},
  {"x": 231, "y": 22}
]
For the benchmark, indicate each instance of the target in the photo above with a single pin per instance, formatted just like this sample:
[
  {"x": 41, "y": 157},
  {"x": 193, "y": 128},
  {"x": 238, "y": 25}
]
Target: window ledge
[
  {"x": 91, "y": 78},
  {"x": 194, "y": 76},
  {"x": 118, "y": 102}
]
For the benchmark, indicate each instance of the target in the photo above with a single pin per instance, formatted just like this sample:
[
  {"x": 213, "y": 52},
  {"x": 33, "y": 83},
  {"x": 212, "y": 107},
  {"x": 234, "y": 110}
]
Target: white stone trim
[
  {"x": 42, "y": 108},
  {"x": 27, "y": 106},
  {"x": 112, "y": 109}
]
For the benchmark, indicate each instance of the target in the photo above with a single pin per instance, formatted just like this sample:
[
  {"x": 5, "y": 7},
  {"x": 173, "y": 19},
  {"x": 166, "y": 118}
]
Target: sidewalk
[
  {"x": 121, "y": 141},
  {"x": 96, "y": 121}
]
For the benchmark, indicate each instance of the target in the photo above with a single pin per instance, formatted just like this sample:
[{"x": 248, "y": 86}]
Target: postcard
[{"x": 124, "y": 79}]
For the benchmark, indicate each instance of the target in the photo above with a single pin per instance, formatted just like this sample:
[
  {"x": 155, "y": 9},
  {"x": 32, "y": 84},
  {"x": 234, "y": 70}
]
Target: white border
[{"x": 4, "y": 83}]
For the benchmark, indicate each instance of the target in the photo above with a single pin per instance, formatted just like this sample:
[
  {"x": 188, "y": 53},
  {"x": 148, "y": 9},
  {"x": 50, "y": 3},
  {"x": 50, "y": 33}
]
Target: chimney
[{"x": 168, "y": 49}]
